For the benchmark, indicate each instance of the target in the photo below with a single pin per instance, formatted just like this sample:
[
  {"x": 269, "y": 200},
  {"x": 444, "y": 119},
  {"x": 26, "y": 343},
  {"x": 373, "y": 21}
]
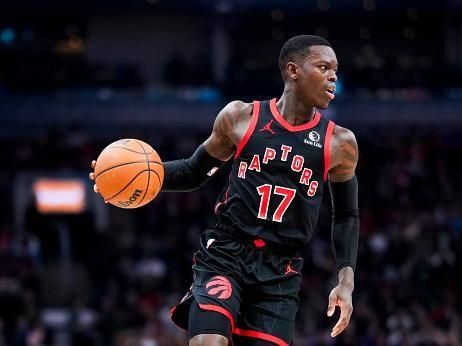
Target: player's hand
[
  {"x": 340, "y": 296},
  {"x": 92, "y": 175}
]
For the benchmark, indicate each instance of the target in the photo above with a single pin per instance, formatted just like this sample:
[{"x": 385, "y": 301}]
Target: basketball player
[{"x": 247, "y": 270}]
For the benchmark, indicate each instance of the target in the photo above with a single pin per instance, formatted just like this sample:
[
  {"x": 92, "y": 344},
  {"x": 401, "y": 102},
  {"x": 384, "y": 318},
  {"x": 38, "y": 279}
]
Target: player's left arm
[{"x": 343, "y": 186}]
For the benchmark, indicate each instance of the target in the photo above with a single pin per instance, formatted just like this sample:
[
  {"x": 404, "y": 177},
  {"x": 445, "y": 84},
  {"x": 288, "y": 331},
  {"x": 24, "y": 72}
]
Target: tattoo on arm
[
  {"x": 224, "y": 122},
  {"x": 219, "y": 144},
  {"x": 345, "y": 156}
]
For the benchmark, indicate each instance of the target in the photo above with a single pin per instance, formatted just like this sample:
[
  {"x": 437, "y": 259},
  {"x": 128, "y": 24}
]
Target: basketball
[{"x": 129, "y": 173}]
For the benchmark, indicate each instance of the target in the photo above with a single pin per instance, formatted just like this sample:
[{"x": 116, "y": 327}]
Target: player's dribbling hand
[
  {"x": 92, "y": 176},
  {"x": 340, "y": 296}
]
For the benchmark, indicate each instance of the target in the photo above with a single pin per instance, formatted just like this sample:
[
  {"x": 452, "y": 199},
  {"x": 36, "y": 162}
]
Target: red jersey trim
[
  {"x": 219, "y": 309},
  {"x": 172, "y": 311},
  {"x": 330, "y": 130},
  {"x": 275, "y": 111},
  {"x": 253, "y": 123},
  {"x": 260, "y": 335}
]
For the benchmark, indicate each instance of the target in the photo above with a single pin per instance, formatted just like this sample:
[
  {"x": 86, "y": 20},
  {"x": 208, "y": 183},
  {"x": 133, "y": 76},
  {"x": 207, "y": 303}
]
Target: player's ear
[{"x": 291, "y": 69}]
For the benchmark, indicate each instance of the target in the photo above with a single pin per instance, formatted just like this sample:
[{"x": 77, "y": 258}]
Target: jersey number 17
[{"x": 265, "y": 195}]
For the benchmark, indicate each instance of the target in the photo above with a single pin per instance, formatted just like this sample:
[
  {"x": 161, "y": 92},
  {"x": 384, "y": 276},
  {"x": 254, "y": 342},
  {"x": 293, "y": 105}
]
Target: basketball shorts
[{"x": 250, "y": 283}]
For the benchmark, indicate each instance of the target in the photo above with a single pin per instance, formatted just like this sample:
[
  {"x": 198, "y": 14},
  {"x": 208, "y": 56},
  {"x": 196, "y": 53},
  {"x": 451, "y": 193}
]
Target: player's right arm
[{"x": 194, "y": 172}]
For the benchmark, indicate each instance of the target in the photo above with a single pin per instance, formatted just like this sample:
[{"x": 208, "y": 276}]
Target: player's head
[{"x": 308, "y": 66}]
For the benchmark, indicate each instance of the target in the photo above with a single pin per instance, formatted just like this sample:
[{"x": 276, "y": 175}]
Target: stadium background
[{"x": 75, "y": 76}]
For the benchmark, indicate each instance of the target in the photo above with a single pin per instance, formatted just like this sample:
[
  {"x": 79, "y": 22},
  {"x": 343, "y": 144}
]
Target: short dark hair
[{"x": 298, "y": 47}]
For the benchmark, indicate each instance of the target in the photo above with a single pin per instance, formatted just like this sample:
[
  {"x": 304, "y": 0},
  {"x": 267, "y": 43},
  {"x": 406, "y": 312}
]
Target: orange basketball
[{"x": 129, "y": 173}]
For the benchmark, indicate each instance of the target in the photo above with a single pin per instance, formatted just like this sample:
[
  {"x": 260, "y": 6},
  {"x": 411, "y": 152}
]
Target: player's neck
[{"x": 294, "y": 111}]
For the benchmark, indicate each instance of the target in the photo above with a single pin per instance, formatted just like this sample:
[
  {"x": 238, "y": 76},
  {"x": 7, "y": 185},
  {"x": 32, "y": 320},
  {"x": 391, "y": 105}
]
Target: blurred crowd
[
  {"x": 53, "y": 53},
  {"x": 116, "y": 285},
  {"x": 368, "y": 70}
]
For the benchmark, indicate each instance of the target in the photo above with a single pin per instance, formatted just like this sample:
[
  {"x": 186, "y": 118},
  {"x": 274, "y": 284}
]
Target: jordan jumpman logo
[
  {"x": 268, "y": 128},
  {"x": 289, "y": 269}
]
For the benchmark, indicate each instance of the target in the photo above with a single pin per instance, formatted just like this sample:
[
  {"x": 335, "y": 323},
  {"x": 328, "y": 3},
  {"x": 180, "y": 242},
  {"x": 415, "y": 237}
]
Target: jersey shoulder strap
[{"x": 250, "y": 129}]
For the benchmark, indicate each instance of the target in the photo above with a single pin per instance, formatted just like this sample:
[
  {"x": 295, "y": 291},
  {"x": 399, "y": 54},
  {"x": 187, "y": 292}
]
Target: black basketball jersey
[{"x": 276, "y": 183}]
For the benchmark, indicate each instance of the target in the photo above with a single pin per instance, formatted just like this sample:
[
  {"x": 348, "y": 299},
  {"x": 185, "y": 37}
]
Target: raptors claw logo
[{"x": 220, "y": 287}]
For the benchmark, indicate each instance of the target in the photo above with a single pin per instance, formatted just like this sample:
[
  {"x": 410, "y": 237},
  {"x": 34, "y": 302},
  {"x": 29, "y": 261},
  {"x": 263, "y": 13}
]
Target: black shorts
[{"x": 254, "y": 286}]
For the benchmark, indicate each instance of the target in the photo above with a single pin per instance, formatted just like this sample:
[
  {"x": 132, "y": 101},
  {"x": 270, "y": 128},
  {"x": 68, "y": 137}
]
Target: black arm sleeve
[
  {"x": 190, "y": 174},
  {"x": 345, "y": 222}
]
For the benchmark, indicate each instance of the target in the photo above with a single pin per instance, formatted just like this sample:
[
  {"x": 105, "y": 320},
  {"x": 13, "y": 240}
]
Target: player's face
[{"x": 317, "y": 76}]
